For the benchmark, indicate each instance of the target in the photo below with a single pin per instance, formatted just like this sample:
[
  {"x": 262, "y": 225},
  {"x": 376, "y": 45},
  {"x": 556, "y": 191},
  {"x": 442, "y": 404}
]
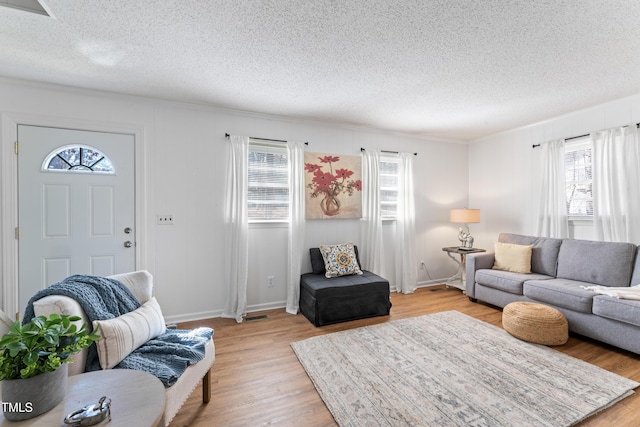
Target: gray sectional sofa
[{"x": 560, "y": 268}]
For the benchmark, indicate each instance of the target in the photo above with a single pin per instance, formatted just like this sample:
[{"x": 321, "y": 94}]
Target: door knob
[
  {"x": 128, "y": 244},
  {"x": 127, "y": 230}
]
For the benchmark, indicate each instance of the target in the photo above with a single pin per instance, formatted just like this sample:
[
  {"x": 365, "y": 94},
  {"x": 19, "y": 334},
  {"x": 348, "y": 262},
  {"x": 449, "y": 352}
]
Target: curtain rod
[
  {"x": 226, "y": 135},
  {"x": 579, "y": 136},
  {"x": 387, "y": 151}
]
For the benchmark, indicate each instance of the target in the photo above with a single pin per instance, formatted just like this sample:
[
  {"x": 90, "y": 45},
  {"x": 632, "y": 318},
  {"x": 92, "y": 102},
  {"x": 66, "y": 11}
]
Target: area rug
[{"x": 449, "y": 369}]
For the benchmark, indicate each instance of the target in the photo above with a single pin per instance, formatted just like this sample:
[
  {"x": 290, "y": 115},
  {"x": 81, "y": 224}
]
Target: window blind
[
  {"x": 388, "y": 187},
  {"x": 268, "y": 182},
  {"x": 578, "y": 170}
]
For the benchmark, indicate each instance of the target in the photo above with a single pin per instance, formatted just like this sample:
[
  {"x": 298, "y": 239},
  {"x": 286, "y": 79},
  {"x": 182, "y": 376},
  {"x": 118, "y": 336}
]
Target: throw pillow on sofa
[
  {"x": 122, "y": 335},
  {"x": 512, "y": 257},
  {"x": 340, "y": 260}
]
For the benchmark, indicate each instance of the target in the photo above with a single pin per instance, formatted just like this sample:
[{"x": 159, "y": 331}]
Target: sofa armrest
[
  {"x": 60, "y": 304},
  {"x": 474, "y": 263}
]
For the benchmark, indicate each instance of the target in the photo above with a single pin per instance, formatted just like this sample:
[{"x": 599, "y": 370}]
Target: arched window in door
[{"x": 78, "y": 158}]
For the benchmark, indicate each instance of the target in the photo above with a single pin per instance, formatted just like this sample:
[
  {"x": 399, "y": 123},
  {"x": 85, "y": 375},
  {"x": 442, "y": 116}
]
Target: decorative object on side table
[
  {"x": 465, "y": 216},
  {"x": 33, "y": 360},
  {"x": 91, "y": 414}
]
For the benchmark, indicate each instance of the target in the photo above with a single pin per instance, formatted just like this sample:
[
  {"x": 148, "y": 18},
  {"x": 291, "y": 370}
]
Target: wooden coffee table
[{"x": 137, "y": 399}]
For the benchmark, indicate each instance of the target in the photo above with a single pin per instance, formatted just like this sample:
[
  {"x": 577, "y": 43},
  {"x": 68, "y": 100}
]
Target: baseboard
[
  {"x": 193, "y": 316},
  {"x": 429, "y": 283},
  {"x": 218, "y": 313},
  {"x": 268, "y": 306},
  {"x": 423, "y": 284}
]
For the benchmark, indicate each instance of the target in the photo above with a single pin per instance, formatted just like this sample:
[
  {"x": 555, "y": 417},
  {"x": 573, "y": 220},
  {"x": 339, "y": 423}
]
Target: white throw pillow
[
  {"x": 512, "y": 257},
  {"x": 122, "y": 335}
]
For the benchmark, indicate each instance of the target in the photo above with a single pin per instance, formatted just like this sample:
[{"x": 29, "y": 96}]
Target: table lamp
[{"x": 465, "y": 216}]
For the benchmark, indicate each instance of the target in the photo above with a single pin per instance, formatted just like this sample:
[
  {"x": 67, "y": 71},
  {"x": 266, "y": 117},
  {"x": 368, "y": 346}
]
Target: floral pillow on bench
[{"x": 340, "y": 260}]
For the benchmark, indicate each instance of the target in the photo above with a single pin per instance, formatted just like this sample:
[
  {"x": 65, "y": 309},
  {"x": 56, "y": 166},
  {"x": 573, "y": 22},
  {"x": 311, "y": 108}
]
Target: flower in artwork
[
  {"x": 344, "y": 173},
  {"x": 323, "y": 181}
]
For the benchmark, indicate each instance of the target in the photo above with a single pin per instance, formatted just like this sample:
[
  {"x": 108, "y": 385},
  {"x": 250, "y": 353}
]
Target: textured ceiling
[{"x": 455, "y": 69}]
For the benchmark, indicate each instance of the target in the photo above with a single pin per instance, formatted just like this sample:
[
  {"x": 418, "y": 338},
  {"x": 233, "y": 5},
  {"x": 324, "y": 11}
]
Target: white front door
[{"x": 76, "y": 201}]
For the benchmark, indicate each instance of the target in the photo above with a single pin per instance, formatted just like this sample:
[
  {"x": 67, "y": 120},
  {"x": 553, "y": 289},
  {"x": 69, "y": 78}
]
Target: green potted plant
[{"x": 33, "y": 363}]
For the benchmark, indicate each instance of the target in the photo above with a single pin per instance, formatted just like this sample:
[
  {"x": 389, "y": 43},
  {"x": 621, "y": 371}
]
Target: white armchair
[
  {"x": 141, "y": 285},
  {"x": 5, "y": 323}
]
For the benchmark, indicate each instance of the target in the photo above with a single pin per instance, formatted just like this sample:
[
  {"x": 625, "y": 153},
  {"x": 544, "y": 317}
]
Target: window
[
  {"x": 578, "y": 166},
  {"x": 268, "y": 183},
  {"x": 388, "y": 187},
  {"x": 77, "y": 158}
]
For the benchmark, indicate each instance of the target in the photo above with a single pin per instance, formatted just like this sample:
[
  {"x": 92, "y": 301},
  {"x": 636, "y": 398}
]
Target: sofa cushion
[
  {"x": 544, "y": 254},
  {"x": 340, "y": 260},
  {"x": 622, "y": 310},
  {"x": 597, "y": 263},
  {"x": 123, "y": 334},
  {"x": 346, "y": 286},
  {"x": 561, "y": 292},
  {"x": 512, "y": 257},
  {"x": 140, "y": 283},
  {"x": 506, "y": 281}
]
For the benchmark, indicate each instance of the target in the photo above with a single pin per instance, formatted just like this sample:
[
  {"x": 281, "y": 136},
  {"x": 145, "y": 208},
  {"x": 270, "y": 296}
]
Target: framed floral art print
[{"x": 333, "y": 186}]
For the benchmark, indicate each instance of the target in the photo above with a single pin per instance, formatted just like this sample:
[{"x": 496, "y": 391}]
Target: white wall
[
  {"x": 184, "y": 167},
  {"x": 505, "y": 171}
]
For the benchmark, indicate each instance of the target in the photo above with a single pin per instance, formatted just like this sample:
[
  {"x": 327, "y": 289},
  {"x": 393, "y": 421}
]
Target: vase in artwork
[
  {"x": 330, "y": 205},
  {"x": 24, "y": 398}
]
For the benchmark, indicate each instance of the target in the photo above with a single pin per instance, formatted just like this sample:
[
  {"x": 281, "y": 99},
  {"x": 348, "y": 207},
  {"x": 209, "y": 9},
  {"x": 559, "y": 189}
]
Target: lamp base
[{"x": 466, "y": 239}]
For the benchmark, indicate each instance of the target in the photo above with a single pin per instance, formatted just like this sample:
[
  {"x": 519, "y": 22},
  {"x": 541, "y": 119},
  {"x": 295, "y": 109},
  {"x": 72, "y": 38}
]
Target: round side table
[{"x": 137, "y": 399}]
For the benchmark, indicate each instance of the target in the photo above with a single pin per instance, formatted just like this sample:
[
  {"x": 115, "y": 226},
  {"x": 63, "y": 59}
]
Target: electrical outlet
[
  {"x": 166, "y": 219},
  {"x": 270, "y": 281}
]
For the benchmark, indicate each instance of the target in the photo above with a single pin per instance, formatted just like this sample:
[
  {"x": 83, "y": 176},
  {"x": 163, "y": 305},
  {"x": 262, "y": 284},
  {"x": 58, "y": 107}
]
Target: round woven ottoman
[{"x": 535, "y": 323}]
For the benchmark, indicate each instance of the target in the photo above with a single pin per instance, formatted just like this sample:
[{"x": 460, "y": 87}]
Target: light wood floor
[{"x": 257, "y": 380}]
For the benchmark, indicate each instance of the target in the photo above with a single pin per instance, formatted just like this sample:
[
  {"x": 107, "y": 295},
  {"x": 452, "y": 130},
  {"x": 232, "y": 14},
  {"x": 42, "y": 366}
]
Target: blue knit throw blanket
[{"x": 166, "y": 356}]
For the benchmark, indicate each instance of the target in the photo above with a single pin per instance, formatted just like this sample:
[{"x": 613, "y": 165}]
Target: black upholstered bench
[{"x": 339, "y": 299}]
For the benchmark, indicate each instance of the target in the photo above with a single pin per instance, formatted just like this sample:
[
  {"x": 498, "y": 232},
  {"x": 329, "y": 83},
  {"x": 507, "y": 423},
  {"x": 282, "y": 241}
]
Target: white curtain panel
[
  {"x": 616, "y": 184},
  {"x": 370, "y": 249},
  {"x": 552, "y": 218},
  {"x": 236, "y": 228},
  {"x": 406, "y": 270},
  {"x": 296, "y": 250}
]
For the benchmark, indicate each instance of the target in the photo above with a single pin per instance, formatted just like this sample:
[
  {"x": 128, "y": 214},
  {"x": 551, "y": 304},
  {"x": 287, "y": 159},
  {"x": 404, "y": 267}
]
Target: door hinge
[
  {"x": 15, "y": 147},
  {"x": 17, "y": 233}
]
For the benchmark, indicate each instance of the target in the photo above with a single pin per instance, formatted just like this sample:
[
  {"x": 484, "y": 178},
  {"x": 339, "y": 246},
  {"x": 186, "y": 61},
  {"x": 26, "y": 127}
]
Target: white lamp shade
[{"x": 465, "y": 215}]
